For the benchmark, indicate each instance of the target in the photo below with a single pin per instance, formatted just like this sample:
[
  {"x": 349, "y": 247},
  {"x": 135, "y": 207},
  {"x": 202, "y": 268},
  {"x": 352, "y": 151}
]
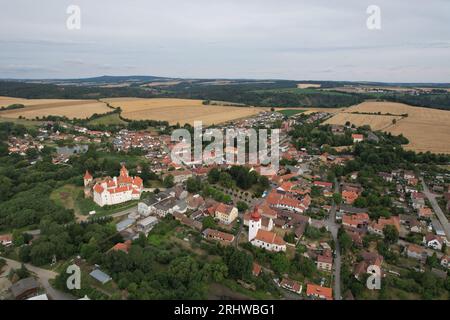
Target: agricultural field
[
  {"x": 180, "y": 110},
  {"x": 427, "y": 129},
  {"x": 56, "y": 107}
]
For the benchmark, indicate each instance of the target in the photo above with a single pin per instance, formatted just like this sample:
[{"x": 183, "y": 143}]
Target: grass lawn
[
  {"x": 72, "y": 197},
  {"x": 290, "y": 112},
  {"x": 110, "y": 119}
]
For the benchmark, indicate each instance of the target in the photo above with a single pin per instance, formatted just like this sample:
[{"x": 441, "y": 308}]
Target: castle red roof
[{"x": 87, "y": 176}]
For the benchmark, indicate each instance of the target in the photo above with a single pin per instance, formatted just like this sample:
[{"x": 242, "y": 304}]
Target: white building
[
  {"x": 118, "y": 189},
  {"x": 263, "y": 238}
]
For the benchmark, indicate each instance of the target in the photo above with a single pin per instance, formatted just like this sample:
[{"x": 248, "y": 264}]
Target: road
[
  {"x": 333, "y": 227},
  {"x": 43, "y": 276},
  {"x": 441, "y": 216}
]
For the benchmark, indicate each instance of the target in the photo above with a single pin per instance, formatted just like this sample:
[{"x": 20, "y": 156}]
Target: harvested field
[
  {"x": 427, "y": 129},
  {"x": 180, "y": 110},
  {"x": 55, "y": 107}
]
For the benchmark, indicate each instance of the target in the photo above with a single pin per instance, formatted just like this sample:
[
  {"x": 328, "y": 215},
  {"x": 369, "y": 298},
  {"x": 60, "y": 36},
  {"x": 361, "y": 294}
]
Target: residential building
[
  {"x": 318, "y": 292},
  {"x": 226, "y": 213}
]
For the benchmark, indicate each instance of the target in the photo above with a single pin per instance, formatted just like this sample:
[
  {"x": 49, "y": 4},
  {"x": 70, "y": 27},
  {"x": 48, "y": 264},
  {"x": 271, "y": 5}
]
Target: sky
[{"x": 257, "y": 39}]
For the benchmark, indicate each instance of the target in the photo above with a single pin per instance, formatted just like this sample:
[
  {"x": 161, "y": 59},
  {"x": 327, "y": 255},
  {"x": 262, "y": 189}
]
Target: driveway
[{"x": 43, "y": 276}]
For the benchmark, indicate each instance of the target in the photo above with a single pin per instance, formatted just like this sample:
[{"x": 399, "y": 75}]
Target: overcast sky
[{"x": 283, "y": 39}]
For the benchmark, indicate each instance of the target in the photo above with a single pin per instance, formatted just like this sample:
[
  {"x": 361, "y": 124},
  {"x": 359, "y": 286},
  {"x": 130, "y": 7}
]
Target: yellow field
[
  {"x": 55, "y": 107},
  {"x": 427, "y": 129},
  {"x": 180, "y": 110}
]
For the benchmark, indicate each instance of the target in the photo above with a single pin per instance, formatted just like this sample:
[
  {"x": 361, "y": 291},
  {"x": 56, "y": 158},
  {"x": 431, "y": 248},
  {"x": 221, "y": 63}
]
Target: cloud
[{"x": 294, "y": 39}]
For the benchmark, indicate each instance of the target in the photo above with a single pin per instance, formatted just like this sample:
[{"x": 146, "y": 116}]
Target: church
[
  {"x": 263, "y": 238},
  {"x": 110, "y": 191}
]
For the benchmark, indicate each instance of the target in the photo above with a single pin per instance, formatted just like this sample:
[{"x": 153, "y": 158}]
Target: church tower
[{"x": 254, "y": 224}]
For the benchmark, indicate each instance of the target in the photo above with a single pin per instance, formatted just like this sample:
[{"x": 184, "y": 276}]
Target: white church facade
[{"x": 261, "y": 238}]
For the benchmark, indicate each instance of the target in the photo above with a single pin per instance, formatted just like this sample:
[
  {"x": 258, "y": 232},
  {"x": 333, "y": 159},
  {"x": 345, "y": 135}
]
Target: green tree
[
  {"x": 390, "y": 234},
  {"x": 242, "y": 206},
  {"x": 168, "y": 181}
]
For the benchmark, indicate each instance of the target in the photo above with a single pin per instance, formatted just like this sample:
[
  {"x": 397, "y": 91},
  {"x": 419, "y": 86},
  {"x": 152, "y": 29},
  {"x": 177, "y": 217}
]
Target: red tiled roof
[
  {"x": 269, "y": 237},
  {"x": 87, "y": 175},
  {"x": 315, "y": 290},
  {"x": 98, "y": 188}
]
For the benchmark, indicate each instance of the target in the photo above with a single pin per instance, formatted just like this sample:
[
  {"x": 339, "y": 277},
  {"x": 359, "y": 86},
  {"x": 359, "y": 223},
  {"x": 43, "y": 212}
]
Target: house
[
  {"x": 345, "y": 208},
  {"x": 445, "y": 262},
  {"x": 194, "y": 202},
  {"x": 367, "y": 259},
  {"x": 425, "y": 213},
  {"x": 349, "y": 196},
  {"x": 100, "y": 276},
  {"x": 358, "y": 220},
  {"x": 325, "y": 262},
  {"x": 418, "y": 200},
  {"x": 165, "y": 207},
  {"x": 146, "y": 205},
  {"x": 226, "y": 213},
  {"x": 386, "y": 176},
  {"x": 409, "y": 175},
  {"x": 416, "y": 252},
  {"x": 357, "y": 137},
  {"x": 217, "y": 235},
  {"x": 317, "y": 292},
  {"x": 433, "y": 241},
  {"x": 323, "y": 184},
  {"x": 124, "y": 247},
  {"x": 291, "y": 285},
  {"x": 188, "y": 221},
  {"x": 6, "y": 239},
  {"x": 377, "y": 227},
  {"x": 146, "y": 224},
  {"x": 179, "y": 176},
  {"x": 263, "y": 238},
  {"x": 256, "y": 270},
  {"x": 25, "y": 288},
  {"x": 282, "y": 201},
  {"x": 116, "y": 190}
]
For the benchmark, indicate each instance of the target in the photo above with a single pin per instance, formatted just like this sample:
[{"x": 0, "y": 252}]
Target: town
[{"x": 140, "y": 225}]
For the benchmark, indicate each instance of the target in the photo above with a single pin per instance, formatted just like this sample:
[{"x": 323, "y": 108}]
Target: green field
[
  {"x": 110, "y": 119},
  {"x": 72, "y": 197},
  {"x": 26, "y": 123},
  {"x": 291, "y": 112}
]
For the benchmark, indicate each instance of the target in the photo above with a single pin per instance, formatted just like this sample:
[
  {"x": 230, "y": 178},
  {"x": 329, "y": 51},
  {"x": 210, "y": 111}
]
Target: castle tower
[
  {"x": 87, "y": 178},
  {"x": 123, "y": 171},
  {"x": 254, "y": 224}
]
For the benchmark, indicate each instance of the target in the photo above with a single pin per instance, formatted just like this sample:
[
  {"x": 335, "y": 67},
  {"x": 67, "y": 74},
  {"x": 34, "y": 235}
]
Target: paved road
[
  {"x": 333, "y": 227},
  {"x": 43, "y": 276},
  {"x": 441, "y": 216},
  {"x": 124, "y": 212}
]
